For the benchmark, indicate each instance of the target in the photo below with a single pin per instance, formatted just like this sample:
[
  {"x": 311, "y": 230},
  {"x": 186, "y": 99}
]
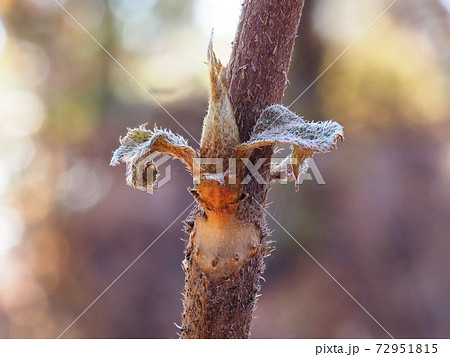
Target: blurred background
[{"x": 69, "y": 225}]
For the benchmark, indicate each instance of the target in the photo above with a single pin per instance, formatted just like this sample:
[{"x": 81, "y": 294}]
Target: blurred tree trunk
[{"x": 257, "y": 77}]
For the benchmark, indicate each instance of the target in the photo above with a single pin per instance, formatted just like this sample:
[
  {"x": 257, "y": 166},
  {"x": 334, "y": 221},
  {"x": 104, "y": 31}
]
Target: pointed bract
[{"x": 220, "y": 134}]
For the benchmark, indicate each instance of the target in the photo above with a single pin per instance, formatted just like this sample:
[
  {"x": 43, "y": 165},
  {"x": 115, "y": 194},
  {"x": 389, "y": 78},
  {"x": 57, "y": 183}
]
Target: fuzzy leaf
[
  {"x": 278, "y": 125},
  {"x": 140, "y": 146}
]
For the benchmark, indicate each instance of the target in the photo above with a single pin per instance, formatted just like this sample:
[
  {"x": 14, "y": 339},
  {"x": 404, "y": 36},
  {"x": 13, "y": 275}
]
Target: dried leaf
[
  {"x": 140, "y": 146},
  {"x": 278, "y": 125}
]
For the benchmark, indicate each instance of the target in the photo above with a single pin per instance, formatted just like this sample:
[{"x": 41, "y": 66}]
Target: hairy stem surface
[{"x": 220, "y": 294}]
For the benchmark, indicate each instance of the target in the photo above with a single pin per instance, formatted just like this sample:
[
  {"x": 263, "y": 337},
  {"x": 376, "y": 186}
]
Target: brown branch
[
  {"x": 257, "y": 75},
  {"x": 221, "y": 305},
  {"x": 257, "y": 72}
]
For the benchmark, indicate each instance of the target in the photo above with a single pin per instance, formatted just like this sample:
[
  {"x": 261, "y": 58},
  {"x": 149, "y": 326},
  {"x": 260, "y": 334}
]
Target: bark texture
[
  {"x": 259, "y": 63},
  {"x": 219, "y": 303}
]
